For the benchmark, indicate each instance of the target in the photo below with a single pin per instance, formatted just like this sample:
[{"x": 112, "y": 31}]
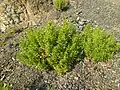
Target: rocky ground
[{"x": 16, "y": 15}]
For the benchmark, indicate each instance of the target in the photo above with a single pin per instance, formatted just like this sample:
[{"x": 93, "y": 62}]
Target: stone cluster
[{"x": 10, "y": 15}]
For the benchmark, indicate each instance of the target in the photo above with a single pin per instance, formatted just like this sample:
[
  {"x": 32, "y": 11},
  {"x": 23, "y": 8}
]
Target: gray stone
[
  {"x": 83, "y": 20},
  {"x": 81, "y": 23},
  {"x": 79, "y": 12}
]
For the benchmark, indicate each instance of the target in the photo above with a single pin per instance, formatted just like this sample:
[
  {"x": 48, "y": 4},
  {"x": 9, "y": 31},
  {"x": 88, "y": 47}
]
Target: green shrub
[
  {"x": 60, "y": 4},
  {"x": 51, "y": 47},
  {"x": 98, "y": 44},
  {"x": 67, "y": 49},
  {"x": 4, "y": 87}
]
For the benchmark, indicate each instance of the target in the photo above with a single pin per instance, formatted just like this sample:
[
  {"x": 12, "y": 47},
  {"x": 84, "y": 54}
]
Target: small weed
[{"x": 60, "y": 4}]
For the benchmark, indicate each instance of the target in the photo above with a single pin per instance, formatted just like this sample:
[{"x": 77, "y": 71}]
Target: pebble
[
  {"x": 10, "y": 45},
  {"x": 76, "y": 78},
  {"x": 83, "y": 20},
  {"x": 78, "y": 18},
  {"x": 2, "y": 77},
  {"x": 66, "y": 83},
  {"x": 20, "y": 10},
  {"x": 80, "y": 28},
  {"x": 16, "y": 20},
  {"x": 79, "y": 12},
  {"x": 22, "y": 17},
  {"x": 8, "y": 9},
  {"x": 2, "y": 28},
  {"x": 6, "y": 22},
  {"x": 11, "y": 21},
  {"x": 10, "y": 16},
  {"x": 81, "y": 23}
]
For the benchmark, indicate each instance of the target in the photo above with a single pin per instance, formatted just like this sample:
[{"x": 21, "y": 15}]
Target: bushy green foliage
[
  {"x": 6, "y": 87},
  {"x": 31, "y": 52},
  {"x": 60, "y": 4},
  {"x": 57, "y": 47},
  {"x": 51, "y": 47},
  {"x": 98, "y": 44},
  {"x": 67, "y": 49}
]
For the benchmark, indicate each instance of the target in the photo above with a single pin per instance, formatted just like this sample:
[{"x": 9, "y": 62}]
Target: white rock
[
  {"x": 78, "y": 18},
  {"x": 2, "y": 28},
  {"x": 81, "y": 22},
  {"x": 76, "y": 78}
]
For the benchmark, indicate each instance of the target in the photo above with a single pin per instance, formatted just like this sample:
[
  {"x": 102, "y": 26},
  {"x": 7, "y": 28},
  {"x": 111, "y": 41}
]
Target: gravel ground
[
  {"x": 85, "y": 75},
  {"x": 105, "y": 13}
]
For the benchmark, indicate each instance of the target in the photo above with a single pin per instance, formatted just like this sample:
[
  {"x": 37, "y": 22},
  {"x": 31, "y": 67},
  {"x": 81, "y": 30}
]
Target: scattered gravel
[{"x": 84, "y": 76}]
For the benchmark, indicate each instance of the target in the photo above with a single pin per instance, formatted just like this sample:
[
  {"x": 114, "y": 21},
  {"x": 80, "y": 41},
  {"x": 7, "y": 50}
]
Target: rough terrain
[{"x": 85, "y": 75}]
